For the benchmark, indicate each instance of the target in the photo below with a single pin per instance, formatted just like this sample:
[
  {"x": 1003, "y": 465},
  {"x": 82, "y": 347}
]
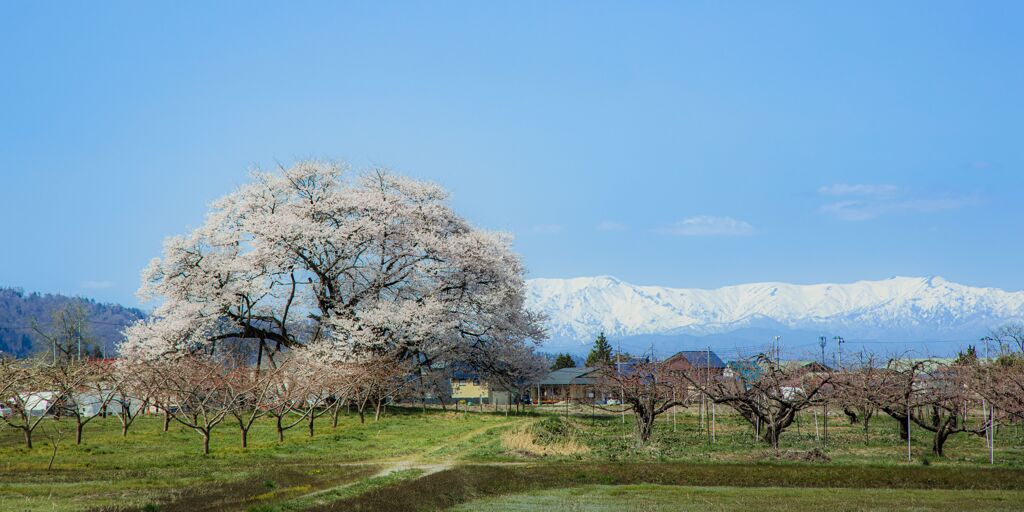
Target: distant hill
[
  {"x": 927, "y": 314},
  {"x": 19, "y": 309}
]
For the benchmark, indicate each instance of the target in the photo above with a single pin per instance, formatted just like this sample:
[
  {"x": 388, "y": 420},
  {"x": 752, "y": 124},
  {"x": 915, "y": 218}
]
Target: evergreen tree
[
  {"x": 601, "y": 354},
  {"x": 969, "y": 357},
  {"x": 563, "y": 361}
]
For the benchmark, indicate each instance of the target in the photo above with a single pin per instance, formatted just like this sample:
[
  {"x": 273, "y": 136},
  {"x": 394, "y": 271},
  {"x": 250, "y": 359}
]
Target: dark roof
[
  {"x": 815, "y": 366},
  {"x": 566, "y": 376},
  {"x": 700, "y": 358},
  {"x": 627, "y": 367},
  {"x": 464, "y": 375}
]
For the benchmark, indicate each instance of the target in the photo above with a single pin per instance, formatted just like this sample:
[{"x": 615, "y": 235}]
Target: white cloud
[
  {"x": 843, "y": 189},
  {"x": 96, "y": 285},
  {"x": 709, "y": 225},
  {"x": 864, "y": 202},
  {"x": 611, "y": 225},
  {"x": 547, "y": 229}
]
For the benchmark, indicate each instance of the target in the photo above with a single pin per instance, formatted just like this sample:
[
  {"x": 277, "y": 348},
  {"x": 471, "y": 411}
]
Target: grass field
[
  {"x": 440, "y": 459},
  {"x": 607, "y": 498}
]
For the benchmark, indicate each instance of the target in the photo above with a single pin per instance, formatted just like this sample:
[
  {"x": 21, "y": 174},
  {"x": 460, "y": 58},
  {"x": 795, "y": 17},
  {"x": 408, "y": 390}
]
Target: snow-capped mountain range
[{"x": 912, "y": 309}]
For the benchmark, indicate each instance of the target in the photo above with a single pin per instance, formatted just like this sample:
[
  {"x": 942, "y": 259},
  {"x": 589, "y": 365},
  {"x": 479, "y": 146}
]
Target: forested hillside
[{"x": 19, "y": 311}]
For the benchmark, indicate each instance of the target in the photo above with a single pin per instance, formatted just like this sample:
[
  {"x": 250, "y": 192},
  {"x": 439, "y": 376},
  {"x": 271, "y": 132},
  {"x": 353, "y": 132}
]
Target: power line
[{"x": 117, "y": 324}]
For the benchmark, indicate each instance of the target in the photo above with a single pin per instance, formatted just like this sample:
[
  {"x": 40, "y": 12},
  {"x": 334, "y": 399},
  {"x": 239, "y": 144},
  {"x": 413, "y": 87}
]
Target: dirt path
[
  {"x": 427, "y": 461},
  {"x": 469, "y": 436}
]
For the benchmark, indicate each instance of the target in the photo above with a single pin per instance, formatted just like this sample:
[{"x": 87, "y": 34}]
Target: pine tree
[
  {"x": 601, "y": 354},
  {"x": 969, "y": 357},
  {"x": 563, "y": 361}
]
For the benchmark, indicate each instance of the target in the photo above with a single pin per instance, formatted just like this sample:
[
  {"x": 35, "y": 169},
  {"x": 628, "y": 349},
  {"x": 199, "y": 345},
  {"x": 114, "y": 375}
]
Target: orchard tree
[
  {"x": 930, "y": 395},
  {"x": 21, "y": 382},
  {"x": 373, "y": 263},
  {"x": 647, "y": 388},
  {"x": 131, "y": 395},
  {"x": 248, "y": 391},
  {"x": 1001, "y": 382},
  {"x": 512, "y": 366},
  {"x": 195, "y": 392},
  {"x": 769, "y": 398},
  {"x": 87, "y": 388},
  {"x": 432, "y": 382},
  {"x": 856, "y": 387}
]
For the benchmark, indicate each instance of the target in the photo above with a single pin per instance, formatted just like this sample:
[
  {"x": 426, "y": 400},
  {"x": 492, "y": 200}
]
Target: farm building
[
  {"x": 742, "y": 369},
  {"x": 574, "y": 384},
  {"x": 704, "y": 361},
  {"x": 469, "y": 388},
  {"x": 39, "y": 403}
]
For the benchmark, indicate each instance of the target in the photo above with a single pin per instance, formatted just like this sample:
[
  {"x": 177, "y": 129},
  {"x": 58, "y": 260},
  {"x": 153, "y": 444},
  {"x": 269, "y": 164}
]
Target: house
[
  {"x": 93, "y": 403},
  {"x": 742, "y": 369},
  {"x": 579, "y": 384},
  {"x": 468, "y": 387},
  {"x": 39, "y": 403},
  {"x": 703, "y": 361},
  {"x": 804, "y": 368}
]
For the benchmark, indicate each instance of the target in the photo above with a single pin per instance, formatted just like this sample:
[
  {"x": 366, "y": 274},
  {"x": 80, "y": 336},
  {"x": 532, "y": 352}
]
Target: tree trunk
[
  {"x": 312, "y": 419},
  {"x": 280, "y": 430},
  {"x": 643, "y": 429},
  {"x": 245, "y": 437},
  {"x": 644, "y": 423},
  {"x": 939, "y": 440},
  {"x": 79, "y": 426},
  {"x": 53, "y": 456},
  {"x": 851, "y": 415},
  {"x": 206, "y": 442},
  {"x": 124, "y": 427},
  {"x": 771, "y": 434},
  {"x": 903, "y": 428},
  {"x": 28, "y": 438},
  {"x": 167, "y": 420}
]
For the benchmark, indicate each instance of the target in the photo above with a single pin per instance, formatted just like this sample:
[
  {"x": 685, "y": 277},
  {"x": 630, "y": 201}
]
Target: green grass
[
  {"x": 465, "y": 483},
  {"x": 603, "y": 498},
  {"x": 152, "y": 467},
  {"x": 353, "y": 466},
  {"x": 682, "y": 440},
  {"x": 328, "y": 496}
]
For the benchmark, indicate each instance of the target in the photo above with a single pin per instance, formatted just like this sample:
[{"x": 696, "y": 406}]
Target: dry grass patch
[{"x": 521, "y": 440}]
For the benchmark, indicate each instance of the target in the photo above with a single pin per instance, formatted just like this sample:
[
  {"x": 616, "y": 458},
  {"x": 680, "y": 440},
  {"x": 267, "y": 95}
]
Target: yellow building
[{"x": 469, "y": 388}]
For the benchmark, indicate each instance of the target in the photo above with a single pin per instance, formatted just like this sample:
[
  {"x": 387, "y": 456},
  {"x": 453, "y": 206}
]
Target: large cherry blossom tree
[{"x": 345, "y": 264}]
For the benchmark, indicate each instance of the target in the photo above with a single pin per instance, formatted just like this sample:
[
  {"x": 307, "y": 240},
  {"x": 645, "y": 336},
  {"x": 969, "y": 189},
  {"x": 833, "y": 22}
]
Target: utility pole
[
  {"x": 821, "y": 343},
  {"x": 991, "y": 434},
  {"x": 622, "y": 389},
  {"x": 839, "y": 343},
  {"x": 778, "y": 350},
  {"x": 673, "y": 408},
  {"x": 909, "y": 457},
  {"x": 707, "y": 380}
]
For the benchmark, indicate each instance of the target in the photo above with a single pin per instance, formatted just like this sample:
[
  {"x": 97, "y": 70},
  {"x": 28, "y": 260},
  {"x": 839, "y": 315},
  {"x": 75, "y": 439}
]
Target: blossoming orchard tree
[{"x": 348, "y": 265}]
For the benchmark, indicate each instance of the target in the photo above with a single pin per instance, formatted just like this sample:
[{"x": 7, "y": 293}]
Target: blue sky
[{"x": 693, "y": 144}]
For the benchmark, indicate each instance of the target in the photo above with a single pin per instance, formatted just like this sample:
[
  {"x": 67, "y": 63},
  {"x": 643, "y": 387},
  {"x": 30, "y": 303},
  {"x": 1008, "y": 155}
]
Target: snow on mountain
[{"x": 921, "y": 307}]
